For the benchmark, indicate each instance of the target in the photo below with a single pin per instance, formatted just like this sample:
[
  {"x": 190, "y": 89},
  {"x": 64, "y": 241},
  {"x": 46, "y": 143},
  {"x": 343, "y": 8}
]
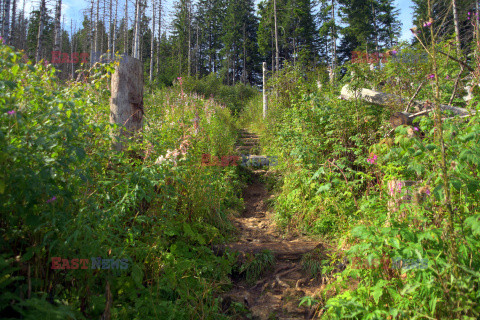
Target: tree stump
[{"x": 126, "y": 102}]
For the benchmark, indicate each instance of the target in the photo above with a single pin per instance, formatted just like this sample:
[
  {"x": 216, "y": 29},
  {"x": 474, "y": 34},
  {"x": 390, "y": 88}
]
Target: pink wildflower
[
  {"x": 11, "y": 112},
  {"x": 415, "y": 128},
  {"x": 427, "y": 24},
  {"x": 372, "y": 159},
  {"x": 431, "y": 76},
  {"x": 52, "y": 199}
]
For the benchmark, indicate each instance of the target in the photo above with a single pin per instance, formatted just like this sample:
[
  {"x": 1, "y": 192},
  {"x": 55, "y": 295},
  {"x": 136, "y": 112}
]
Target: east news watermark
[
  {"x": 247, "y": 160},
  {"x": 393, "y": 55},
  {"x": 395, "y": 263},
  {"x": 59, "y": 57},
  {"x": 59, "y": 263}
]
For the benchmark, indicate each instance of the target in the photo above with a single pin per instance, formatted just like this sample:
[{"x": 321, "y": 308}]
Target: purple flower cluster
[
  {"x": 11, "y": 112},
  {"x": 372, "y": 159},
  {"x": 52, "y": 199},
  {"x": 475, "y": 14}
]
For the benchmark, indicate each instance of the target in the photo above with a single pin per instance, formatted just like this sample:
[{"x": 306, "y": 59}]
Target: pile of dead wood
[{"x": 419, "y": 108}]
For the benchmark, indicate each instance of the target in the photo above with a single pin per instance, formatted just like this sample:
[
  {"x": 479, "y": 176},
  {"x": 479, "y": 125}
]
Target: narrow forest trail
[{"x": 276, "y": 295}]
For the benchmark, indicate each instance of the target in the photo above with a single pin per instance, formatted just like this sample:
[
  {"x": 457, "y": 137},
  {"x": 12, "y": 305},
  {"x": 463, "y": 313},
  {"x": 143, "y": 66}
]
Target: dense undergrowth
[
  {"x": 381, "y": 193},
  {"x": 66, "y": 195},
  {"x": 233, "y": 97}
]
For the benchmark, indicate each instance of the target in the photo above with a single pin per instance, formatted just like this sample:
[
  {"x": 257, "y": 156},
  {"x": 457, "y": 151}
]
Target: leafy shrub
[
  {"x": 234, "y": 97},
  {"x": 257, "y": 264},
  {"x": 65, "y": 193}
]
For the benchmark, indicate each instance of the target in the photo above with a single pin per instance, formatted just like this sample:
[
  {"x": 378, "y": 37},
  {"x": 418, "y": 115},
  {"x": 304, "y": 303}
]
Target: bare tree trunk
[
  {"x": 197, "y": 55},
  {"x": 457, "y": 28},
  {"x": 12, "y": 29},
  {"x": 2, "y": 5},
  {"x": 114, "y": 40},
  {"x": 104, "y": 20},
  {"x": 40, "y": 30},
  {"x": 125, "y": 40},
  {"x": 92, "y": 45},
  {"x": 334, "y": 39},
  {"x": 58, "y": 15},
  {"x": 375, "y": 27},
  {"x": 388, "y": 100},
  {"x": 6, "y": 21},
  {"x": 23, "y": 37},
  {"x": 189, "y": 37},
  {"x": 72, "y": 49},
  {"x": 277, "y": 58},
  {"x": 126, "y": 103},
  {"x": 152, "y": 42},
  {"x": 134, "y": 26},
  {"x": 159, "y": 34},
  {"x": 264, "y": 67},
  {"x": 273, "y": 51},
  {"x": 97, "y": 27},
  {"x": 110, "y": 29},
  {"x": 137, "y": 31}
]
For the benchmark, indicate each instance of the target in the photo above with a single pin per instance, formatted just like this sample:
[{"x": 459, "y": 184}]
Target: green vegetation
[
  {"x": 341, "y": 171},
  {"x": 376, "y": 193},
  {"x": 256, "y": 265},
  {"x": 65, "y": 193}
]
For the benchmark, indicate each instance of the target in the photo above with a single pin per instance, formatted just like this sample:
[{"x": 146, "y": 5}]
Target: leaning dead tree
[
  {"x": 419, "y": 108},
  {"x": 126, "y": 103}
]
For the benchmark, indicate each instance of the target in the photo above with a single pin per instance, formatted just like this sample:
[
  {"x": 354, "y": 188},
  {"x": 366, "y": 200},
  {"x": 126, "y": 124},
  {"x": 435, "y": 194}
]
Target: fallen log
[{"x": 385, "y": 99}]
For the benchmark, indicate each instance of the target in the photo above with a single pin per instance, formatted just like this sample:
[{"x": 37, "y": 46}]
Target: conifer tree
[
  {"x": 371, "y": 25},
  {"x": 240, "y": 41}
]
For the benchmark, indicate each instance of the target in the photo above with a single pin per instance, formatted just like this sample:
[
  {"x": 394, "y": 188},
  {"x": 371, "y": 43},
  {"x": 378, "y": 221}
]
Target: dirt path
[{"x": 276, "y": 295}]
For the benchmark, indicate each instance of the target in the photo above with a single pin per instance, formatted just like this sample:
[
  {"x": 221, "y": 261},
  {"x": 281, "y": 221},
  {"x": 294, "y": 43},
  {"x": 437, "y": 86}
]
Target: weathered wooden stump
[
  {"x": 126, "y": 102},
  {"x": 400, "y": 195}
]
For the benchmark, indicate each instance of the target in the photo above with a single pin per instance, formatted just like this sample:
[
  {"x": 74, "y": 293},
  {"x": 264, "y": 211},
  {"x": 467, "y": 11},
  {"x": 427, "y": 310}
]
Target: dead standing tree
[{"x": 126, "y": 103}]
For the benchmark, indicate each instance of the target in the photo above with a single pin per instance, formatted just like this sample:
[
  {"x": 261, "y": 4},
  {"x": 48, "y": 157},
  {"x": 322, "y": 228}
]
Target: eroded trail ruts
[{"x": 277, "y": 294}]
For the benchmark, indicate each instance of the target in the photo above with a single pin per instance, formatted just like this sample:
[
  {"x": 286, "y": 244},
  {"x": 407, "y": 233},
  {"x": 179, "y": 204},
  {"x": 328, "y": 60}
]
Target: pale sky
[{"x": 72, "y": 9}]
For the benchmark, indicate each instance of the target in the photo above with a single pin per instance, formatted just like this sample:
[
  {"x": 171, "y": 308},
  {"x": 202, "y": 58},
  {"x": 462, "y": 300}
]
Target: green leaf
[
  {"x": 377, "y": 293},
  {"x": 188, "y": 230},
  {"x": 137, "y": 274},
  {"x": 456, "y": 184},
  {"x": 324, "y": 187},
  {"x": 438, "y": 192}
]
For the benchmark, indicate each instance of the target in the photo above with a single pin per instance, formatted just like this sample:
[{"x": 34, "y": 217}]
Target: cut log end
[{"x": 400, "y": 118}]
